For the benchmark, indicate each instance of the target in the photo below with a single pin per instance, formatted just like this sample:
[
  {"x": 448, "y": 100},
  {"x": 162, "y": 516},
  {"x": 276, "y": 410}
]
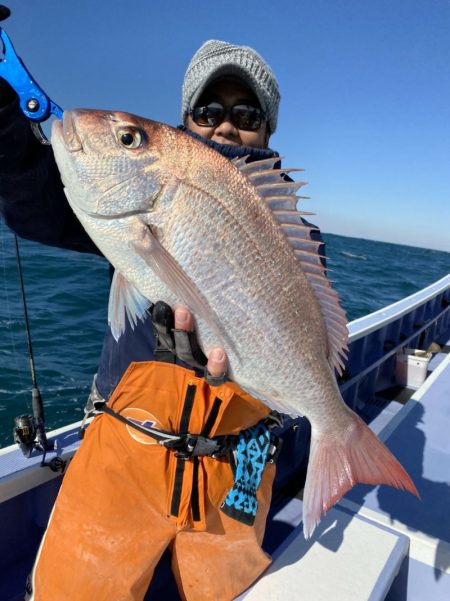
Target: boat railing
[{"x": 375, "y": 340}]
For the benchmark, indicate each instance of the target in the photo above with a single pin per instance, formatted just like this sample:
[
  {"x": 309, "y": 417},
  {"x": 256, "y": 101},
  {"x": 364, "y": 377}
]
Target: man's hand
[
  {"x": 217, "y": 360},
  {"x": 176, "y": 332}
]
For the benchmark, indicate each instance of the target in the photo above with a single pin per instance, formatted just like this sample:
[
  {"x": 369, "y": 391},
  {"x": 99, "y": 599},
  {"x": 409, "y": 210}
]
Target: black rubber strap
[
  {"x": 188, "y": 349},
  {"x": 187, "y": 408},
  {"x": 195, "y": 494},
  {"x": 211, "y": 420},
  {"x": 179, "y": 470},
  {"x": 163, "y": 322},
  {"x": 177, "y": 487},
  {"x": 215, "y": 380}
]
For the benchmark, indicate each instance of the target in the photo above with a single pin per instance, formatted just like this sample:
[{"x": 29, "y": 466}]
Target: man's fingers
[
  {"x": 183, "y": 319},
  {"x": 217, "y": 362}
]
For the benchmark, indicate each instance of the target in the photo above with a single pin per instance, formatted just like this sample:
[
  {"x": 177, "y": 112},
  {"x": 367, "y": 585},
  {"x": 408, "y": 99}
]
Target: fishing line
[
  {"x": 25, "y": 314},
  {"x": 9, "y": 315}
]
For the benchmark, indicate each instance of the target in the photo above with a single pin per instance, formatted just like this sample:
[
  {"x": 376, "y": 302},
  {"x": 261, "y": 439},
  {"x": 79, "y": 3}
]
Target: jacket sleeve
[{"x": 32, "y": 199}]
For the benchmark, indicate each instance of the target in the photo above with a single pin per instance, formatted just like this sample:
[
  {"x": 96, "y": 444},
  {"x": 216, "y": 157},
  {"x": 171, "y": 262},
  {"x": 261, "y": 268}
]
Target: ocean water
[{"x": 67, "y": 296}]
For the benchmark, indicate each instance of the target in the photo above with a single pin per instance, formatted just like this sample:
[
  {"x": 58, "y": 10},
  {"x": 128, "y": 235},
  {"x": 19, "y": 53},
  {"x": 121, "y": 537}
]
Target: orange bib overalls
[{"x": 125, "y": 498}]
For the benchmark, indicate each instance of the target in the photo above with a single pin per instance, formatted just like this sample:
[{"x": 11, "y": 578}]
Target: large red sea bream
[{"x": 181, "y": 223}]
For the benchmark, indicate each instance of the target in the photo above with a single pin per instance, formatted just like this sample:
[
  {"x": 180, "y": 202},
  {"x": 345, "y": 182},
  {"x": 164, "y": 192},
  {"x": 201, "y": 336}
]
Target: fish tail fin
[{"x": 339, "y": 460}]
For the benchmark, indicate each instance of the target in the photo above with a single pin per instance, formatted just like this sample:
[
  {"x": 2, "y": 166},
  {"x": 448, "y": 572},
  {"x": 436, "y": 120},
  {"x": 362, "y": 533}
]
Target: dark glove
[
  {"x": 179, "y": 342},
  {"x": 4, "y": 12},
  {"x": 7, "y": 94}
]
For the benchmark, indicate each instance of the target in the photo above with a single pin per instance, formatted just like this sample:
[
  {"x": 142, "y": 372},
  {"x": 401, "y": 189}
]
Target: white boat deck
[{"x": 350, "y": 559}]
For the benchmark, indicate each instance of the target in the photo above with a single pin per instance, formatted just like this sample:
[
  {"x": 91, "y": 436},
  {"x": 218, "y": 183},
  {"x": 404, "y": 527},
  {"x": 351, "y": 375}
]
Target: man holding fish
[
  {"x": 233, "y": 108},
  {"x": 175, "y": 459}
]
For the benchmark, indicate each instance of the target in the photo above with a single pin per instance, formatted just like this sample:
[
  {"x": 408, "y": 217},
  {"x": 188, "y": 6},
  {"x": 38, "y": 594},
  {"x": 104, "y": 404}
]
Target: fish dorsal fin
[{"x": 279, "y": 193}]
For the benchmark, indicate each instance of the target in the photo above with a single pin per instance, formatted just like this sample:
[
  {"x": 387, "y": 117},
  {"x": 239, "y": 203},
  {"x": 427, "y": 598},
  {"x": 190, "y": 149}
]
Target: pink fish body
[{"x": 181, "y": 223}]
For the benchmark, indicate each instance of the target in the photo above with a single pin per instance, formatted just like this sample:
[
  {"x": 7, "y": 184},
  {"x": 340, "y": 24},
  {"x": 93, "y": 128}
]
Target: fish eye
[{"x": 130, "y": 138}]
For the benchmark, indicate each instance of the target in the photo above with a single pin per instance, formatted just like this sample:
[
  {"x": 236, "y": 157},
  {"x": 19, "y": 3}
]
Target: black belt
[{"x": 185, "y": 445}]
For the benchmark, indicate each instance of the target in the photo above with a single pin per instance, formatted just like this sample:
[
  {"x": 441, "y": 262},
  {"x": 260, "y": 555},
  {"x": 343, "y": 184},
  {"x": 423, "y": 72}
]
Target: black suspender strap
[{"x": 182, "y": 455}]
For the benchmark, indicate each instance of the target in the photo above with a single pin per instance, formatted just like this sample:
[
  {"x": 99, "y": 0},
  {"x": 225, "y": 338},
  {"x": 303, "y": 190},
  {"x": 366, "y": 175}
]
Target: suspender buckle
[{"x": 195, "y": 446}]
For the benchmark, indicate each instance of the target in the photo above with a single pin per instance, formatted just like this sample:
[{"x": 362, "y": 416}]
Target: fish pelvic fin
[
  {"x": 339, "y": 462},
  {"x": 278, "y": 191},
  {"x": 125, "y": 301}
]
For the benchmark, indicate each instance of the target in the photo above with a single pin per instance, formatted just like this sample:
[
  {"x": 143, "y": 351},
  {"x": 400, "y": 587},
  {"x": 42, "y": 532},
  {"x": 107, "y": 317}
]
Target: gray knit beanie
[{"x": 216, "y": 59}]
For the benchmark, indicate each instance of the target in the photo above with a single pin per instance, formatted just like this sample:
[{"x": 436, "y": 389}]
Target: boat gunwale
[{"x": 363, "y": 326}]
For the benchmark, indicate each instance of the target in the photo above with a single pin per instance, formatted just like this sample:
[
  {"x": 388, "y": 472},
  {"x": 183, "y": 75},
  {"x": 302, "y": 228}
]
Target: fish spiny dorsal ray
[{"x": 279, "y": 193}]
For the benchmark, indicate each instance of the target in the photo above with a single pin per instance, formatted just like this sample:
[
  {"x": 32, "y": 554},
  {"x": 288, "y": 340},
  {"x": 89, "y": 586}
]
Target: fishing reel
[{"x": 27, "y": 435}]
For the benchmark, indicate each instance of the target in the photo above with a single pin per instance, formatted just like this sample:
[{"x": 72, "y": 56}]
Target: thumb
[{"x": 217, "y": 362}]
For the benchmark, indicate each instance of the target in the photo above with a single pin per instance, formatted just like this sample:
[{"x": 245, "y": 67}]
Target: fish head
[{"x": 109, "y": 162}]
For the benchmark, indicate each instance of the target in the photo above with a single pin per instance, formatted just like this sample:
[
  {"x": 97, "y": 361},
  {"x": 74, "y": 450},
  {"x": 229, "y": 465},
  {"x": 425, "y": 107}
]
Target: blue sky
[{"x": 365, "y": 90}]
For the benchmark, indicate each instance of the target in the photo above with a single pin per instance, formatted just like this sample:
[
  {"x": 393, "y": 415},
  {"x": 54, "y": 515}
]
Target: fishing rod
[{"x": 29, "y": 431}]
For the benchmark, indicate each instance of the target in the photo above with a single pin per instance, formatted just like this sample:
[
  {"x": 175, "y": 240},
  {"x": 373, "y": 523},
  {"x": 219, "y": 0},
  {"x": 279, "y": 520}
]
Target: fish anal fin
[{"x": 338, "y": 461}]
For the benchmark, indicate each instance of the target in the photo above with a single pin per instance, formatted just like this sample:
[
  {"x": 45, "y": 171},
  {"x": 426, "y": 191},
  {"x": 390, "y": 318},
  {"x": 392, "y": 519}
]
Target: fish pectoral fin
[
  {"x": 124, "y": 300},
  {"x": 169, "y": 271}
]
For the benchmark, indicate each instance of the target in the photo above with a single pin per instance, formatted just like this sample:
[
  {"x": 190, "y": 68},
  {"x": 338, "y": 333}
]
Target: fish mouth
[{"x": 71, "y": 139}]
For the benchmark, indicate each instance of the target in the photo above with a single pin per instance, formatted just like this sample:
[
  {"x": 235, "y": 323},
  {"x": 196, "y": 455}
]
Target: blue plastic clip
[{"x": 34, "y": 102}]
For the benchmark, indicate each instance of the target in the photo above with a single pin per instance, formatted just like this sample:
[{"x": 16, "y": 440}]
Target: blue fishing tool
[{"x": 34, "y": 102}]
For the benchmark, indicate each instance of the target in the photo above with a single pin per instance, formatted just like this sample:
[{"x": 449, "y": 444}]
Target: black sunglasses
[{"x": 242, "y": 116}]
